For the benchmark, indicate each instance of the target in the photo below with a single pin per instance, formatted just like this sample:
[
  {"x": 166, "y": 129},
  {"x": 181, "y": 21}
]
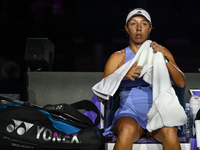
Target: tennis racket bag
[{"x": 59, "y": 126}]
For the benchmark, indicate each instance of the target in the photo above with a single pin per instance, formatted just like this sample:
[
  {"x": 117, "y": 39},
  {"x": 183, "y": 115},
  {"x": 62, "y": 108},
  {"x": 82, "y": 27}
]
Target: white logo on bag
[
  {"x": 21, "y": 127},
  {"x": 58, "y": 107},
  {"x": 20, "y": 130},
  {"x": 48, "y": 135}
]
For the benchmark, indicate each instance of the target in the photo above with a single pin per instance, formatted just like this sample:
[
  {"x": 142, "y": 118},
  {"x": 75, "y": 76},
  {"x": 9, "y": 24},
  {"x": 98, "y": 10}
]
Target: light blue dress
[{"x": 135, "y": 98}]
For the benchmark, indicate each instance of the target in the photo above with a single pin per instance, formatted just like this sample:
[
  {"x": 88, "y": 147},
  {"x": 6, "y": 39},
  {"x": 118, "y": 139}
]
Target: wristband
[{"x": 166, "y": 59}]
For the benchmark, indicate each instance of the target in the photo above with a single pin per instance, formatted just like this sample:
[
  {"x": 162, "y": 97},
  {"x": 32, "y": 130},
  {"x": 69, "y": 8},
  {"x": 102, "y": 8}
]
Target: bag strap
[
  {"x": 88, "y": 105},
  {"x": 72, "y": 111}
]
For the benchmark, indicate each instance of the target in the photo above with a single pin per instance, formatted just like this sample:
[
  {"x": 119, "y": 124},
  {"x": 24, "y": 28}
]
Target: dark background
[{"x": 86, "y": 32}]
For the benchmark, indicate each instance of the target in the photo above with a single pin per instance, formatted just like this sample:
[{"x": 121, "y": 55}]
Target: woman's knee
[
  {"x": 170, "y": 132},
  {"x": 166, "y": 133},
  {"x": 128, "y": 128}
]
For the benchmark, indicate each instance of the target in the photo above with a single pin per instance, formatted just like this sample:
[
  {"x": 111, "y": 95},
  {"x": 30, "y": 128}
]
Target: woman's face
[{"x": 138, "y": 28}]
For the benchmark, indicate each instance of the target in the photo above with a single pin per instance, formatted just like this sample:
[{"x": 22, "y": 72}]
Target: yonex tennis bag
[{"x": 56, "y": 127}]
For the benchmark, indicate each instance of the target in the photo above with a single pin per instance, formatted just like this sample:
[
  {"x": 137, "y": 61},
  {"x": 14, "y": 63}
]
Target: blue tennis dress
[{"x": 135, "y": 98}]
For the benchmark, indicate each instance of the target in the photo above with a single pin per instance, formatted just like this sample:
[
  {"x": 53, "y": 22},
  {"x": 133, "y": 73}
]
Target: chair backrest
[
  {"x": 113, "y": 104},
  {"x": 180, "y": 92}
]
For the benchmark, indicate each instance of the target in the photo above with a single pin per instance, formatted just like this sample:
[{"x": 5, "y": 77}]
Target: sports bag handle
[
  {"x": 88, "y": 105},
  {"x": 72, "y": 111}
]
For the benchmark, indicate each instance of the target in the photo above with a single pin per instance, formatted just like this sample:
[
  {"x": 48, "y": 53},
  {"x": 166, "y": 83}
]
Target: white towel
[
  {"x": 109, "y": 85},
  {"x": 166, "y": 109}
]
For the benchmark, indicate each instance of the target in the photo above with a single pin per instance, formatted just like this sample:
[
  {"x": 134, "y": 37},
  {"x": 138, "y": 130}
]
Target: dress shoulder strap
[{"x": 129, "y": 54}]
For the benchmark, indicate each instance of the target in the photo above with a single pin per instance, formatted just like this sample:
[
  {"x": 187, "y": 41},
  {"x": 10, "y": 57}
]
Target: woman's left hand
[{"x": 157, "y": 48}]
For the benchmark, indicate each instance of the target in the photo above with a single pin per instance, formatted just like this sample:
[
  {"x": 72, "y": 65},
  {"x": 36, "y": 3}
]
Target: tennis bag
[{"x": 59, "y": 126}]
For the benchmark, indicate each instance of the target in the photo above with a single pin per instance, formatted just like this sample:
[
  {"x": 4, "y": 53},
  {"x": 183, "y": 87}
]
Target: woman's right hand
[{"x": 134, "y": 72}]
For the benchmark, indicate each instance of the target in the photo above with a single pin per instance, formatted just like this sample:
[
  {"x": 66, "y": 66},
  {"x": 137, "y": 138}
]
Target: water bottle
[{"x": 188, "y": 127}]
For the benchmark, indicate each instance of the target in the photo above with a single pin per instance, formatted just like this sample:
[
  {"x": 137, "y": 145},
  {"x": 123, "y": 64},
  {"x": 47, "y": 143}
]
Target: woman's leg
[
  {"x": 128, "y": 131},
  {"x": 168, "y": 136}
]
